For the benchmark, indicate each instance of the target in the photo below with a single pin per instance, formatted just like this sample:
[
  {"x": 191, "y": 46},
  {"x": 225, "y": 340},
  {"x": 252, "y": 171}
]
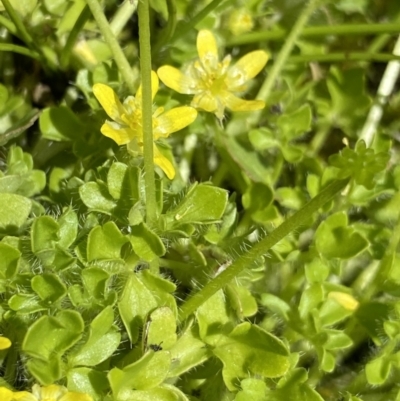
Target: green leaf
[
  {"x": 377, "y": 371},
  {"x": 257, "y": 199},
  {"x": 246, "y": 350},
  {"x": 241, "y": 300},
  {"x": 102, "y": 342},
  {"x": 95, "y": 281},
  {"x": 60, "y": 124},
  {"x": 161, "y": 329},
  {"x": 188, "y": 352},
  {"x": 88, "y": 381},
  {"x": 50, "y": 335},
  {"x": 45, "y": 372},
  {"x": 25, "y": 303},
  {"x": 263, "y": 138},
  {"x": 135, "y": 303},
  {"x": 9, "y": 261},
  {"x": 44, "y": 234},
  {"x": 115, "y": 179},
  {"x": 334, "y": 239},
  {"x": 146, "y": 244},
  {"x": 213, "y": 319},
  {"x": 295, "y": 124},
  {"x": 164, "y": 392},
  {"x": 96, "y": 197},
  {"x": 202, "y": 204},
  {"x": 146, "y": 373},
  {"x": 292, "y": 198},
  {"x": 14, "y": 211},
  {"x": 252, "y": 389},
  {"x": 105, "y": 242},
  {"x": 68, "y": 228},
  {"x": 49, "y": 287}
]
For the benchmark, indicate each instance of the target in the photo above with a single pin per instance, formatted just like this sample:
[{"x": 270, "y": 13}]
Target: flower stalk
[
  {"x": 145, "y": 68},
  {"x": 260, "y": 249}
]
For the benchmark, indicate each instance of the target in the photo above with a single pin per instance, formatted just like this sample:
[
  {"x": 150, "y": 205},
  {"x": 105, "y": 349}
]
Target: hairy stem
[
  {"x": 147, "y": 115},
  {"x": 287, "y": 48},
  {"x": 261, "y": 248},
  {"x": 120, "y": 59}
]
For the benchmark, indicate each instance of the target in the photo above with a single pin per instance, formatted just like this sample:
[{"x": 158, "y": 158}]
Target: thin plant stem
[
  {"x": 316, "y": 31},
  {"x": 122, "y": 16},
  {"x": 167, "y": 33},
  {"x": 260, "y": 249},
  {"x": 386, "y": 87},
  {"x": 287, "y": 48},
  {"x": 185, "y": 28},
  {"x": 24, "y": 34},
  {"x": 8, "y": 47},
  {"x": 147, "y": 115},
  {"x": 120, "y": 59},
  {"x": 351, "y": 56},
  {"x": 9, "y": 25},
  {"x": 79, "y": 24}
]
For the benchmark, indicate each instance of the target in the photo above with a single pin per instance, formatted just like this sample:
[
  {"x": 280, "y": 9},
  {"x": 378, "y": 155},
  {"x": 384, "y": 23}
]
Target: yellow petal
[
  {"x": 163, "y": 163},
  {"x": 205, "y": 101},
  {"x": 154, "y": 87},
  {"x": 109, "y": 101},
  {"x": 121, "y": 135},
  {"x": 4, "y": 343},
  {"x": 5, "y": 394},
  {"x": 174, "y": 120},
  {"x": 246, "y": 68},
  {"x": 206, "y": 44},
  {"x": 174, "y": 79},
  {"x": 236, "y": 104}
]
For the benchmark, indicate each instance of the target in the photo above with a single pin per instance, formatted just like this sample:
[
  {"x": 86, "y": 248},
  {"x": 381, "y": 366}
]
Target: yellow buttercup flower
[
  {"x": 126, "y": 127},
  {"x": 4, "y": 343},
  {"x": 47, "y": 393},
  {"x": 214, "y": 83}
]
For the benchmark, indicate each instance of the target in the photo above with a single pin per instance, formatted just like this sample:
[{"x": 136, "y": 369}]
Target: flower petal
[
  {"x": 121, "y": 135},
  {"x": 176, "y": 80},
  {"x": 206, "y": 44},
  {"x": 4, "y": 343},
  {"x": 174, "y": 120},
  {"x": 236, "y": 104},
  {"x": 109, "y": 101},
  {"x": 205, "y": 101},
  {"x": 154, "y": 88},
  {"x": 246, "y": 68},
  {"x": 163, "y": 163}
]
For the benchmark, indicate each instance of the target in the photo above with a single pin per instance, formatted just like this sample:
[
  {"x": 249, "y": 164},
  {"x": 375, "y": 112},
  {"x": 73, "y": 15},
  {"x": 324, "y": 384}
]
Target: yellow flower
[
  {"x": 213, "y": 83},
  {"x": 4, "y": 343},
  {"x": 48, "y": 393},
  {"x": 126, "y": 127}
]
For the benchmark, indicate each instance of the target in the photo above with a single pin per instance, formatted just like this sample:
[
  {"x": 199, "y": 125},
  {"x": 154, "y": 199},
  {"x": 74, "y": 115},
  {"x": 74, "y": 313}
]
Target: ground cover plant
[{"x": 199, "y": 200}]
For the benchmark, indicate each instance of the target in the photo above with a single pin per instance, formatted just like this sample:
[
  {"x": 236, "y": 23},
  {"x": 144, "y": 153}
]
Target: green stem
[
  {"x": 287, "y": 48},
  {"x": 147, "y": 112},
  {"x": 79, "y": 24},
  {"x": 167, "y": 33},
  {"x": 8, "y": 47},
  {"x": 260, "y": 249},
  {"x": 122, "y": 16},
  {"x": 120, "y": 59},
  {"x": 352, "y": 56},
  {"x": 8, "y": 25},
  {"x": 186, "y": 27},
  {"x": 25, "y": 35},
  {"x": 315, "y": 31}
]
